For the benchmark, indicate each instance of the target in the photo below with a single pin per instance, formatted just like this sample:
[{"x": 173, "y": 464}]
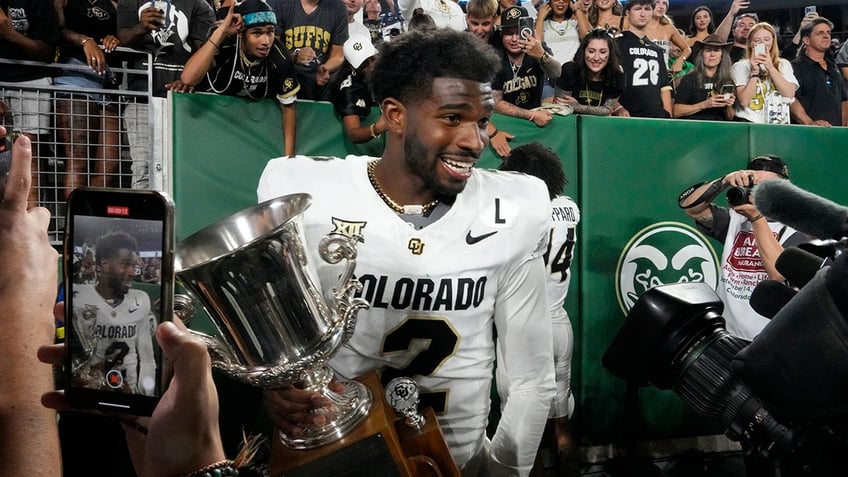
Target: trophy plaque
[{"x": 385, "y": 444}]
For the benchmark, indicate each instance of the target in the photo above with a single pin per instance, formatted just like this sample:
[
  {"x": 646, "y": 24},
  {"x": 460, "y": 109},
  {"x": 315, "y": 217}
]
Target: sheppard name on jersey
[
  {"x": 643, "y": 52},
  {"x": 563, "y": 214},
  {"x": 520, "y": 83},
  {"x": 423, "y": 294},
  {"x": 115, "y": 331}
]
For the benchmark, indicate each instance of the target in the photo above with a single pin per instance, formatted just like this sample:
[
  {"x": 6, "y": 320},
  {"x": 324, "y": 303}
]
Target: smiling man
[
  {"x": 450, "y": 255},
  {"x": 117, "y": 319}
]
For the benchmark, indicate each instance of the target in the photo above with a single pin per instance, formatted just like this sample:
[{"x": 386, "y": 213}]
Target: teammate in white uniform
[
  {"x": 117, "y": 321},
  {"x": 540, "y": 161},
  {"x": 441, "y": 277}
]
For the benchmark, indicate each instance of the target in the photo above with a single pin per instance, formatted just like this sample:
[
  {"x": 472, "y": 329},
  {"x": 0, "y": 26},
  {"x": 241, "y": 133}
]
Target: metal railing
[{"x": 85, "y": 140}]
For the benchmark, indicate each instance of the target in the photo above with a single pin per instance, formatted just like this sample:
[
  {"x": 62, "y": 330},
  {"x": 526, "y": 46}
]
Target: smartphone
[
  {"x": 525, "y": 27},
  {"x": 222, "y": 12},
  {"x": 759, "y": 49},
  {"x": 119, "y": 282},
  {"x": 728, "y": 89},
  {"x": 809, "y": 9},
  {"x": 6, "y": 158}
]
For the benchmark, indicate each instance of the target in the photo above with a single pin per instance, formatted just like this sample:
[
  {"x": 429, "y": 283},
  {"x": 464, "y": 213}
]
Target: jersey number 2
[{"x": 441, "y": 342}]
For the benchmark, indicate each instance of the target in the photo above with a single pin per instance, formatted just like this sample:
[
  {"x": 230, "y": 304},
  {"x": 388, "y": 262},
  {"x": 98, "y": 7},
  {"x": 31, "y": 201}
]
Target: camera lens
[{"x": 738, "y": 195}]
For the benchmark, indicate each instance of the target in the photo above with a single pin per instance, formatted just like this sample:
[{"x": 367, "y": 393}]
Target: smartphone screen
[{"x": 118, "y": 271}]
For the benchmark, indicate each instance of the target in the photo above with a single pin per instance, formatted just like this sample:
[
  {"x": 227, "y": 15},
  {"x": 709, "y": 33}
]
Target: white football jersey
[
  {"x": 438, "y": 293},
  {"x": 565, "y": 215},
  {"x": 122, "y": 334}
]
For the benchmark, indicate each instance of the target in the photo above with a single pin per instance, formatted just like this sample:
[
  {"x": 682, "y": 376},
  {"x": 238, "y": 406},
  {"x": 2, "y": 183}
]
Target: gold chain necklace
[
  {"x": 400, "y": 209},
  {"x": 588, "y": 93}
]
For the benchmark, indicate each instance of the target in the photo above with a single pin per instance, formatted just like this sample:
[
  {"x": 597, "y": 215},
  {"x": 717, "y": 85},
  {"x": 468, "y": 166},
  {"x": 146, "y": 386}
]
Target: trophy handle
[{"x": 334, "y": 248}]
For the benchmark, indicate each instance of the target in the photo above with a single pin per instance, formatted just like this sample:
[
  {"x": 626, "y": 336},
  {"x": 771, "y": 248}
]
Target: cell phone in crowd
[
  {"x": 6, "y": 157},
  {"x": 728, "y": 89},
  {"x": 759, "y": 49},
  {"x": 222, "y": 12},
  {"x": 809, "y": 9},
  {"x": 119, "y": 281},
  {"x": 525, "y": 27}
]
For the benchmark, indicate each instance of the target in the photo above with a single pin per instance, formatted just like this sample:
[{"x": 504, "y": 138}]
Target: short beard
[{"x": 415, "y": 156}]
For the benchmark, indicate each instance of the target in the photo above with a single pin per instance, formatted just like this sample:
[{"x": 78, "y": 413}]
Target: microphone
[
  {"x": 799, "y": 266},
  {"x": 778, "y": 199},
  {"x": 769, "y": 296}
]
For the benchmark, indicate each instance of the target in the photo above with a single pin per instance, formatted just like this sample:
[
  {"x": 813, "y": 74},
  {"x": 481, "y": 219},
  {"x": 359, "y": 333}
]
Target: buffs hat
[
  {"x": 357, "y": 49},
  {"x": 511, "y": 15},
  {"x": 713, "y": 41},
  {"x": 769, "y": 162},
  {"x": 256, "y": 13}
]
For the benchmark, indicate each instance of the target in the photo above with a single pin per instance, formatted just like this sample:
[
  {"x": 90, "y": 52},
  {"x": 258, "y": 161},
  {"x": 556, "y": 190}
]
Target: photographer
[{"x": 751, "y": 241}]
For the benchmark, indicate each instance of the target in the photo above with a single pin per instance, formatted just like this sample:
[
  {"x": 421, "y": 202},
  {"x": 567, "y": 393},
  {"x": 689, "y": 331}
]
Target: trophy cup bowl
[{"x": 252, "y": 274}]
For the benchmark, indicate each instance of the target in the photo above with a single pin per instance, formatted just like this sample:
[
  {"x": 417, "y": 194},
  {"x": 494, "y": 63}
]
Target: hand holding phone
[
  {"x": 5, "y": 158},
  {"x": 126, "y": 237},
  {"x": 526, "y": 26}
]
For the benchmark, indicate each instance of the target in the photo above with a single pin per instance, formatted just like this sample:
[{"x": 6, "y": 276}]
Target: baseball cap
[
  {"x": 511, "y": 15},
  {"x": 357, "y": 49},
  {"x": 256, "y": 13},
  {"x": 769, "y": 162}
]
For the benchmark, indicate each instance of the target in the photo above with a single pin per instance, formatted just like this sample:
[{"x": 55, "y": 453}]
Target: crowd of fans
[
  {"x": 598, "y": 57},
  {"x": 588, "y": 57}
]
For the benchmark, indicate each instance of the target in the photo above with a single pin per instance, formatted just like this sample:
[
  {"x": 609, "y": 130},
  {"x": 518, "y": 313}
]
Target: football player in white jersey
[
  {"x": 451, "y": 254},
  {"x": 117, "y": 320},
  {"x": 542, "y": 162}
]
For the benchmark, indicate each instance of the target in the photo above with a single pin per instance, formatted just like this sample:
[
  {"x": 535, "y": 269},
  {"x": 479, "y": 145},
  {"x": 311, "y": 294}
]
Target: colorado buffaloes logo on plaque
[{"x": 661, "y": 254}]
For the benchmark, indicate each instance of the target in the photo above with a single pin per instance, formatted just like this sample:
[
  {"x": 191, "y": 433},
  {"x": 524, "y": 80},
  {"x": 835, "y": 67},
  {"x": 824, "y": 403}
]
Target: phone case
[{"x": 118, "y": 271}]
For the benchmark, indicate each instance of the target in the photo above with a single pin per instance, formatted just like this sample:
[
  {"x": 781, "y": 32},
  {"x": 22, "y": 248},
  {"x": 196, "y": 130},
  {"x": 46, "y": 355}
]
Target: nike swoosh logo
[
  {"x": 133, "y": 309},
  {"x": 471, "y": 240}
]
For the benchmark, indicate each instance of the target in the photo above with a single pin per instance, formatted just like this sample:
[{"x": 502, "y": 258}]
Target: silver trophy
[{"x": 252, "y": 274}]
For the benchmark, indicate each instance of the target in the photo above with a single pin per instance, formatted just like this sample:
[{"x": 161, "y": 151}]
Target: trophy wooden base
[{"x": 381, "y": 445}]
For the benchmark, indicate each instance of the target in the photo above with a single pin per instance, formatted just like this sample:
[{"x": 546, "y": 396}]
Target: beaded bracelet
[{"x": 224, "y": 468}]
